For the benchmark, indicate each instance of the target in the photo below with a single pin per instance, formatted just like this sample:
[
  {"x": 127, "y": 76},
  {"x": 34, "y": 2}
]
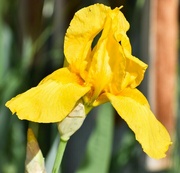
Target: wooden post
[{"x": 163, "y": 65}]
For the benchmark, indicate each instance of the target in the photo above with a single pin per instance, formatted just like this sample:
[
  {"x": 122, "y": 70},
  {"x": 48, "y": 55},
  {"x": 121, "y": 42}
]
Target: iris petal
[
  {"x": 85, "y": 25},
  {"x": 108, "y": 60},
  {"x": 51, "y": 101},
  {"x": 133, "y": 107},
  {"x": 100, "y": 71},
  {"x": 135, "y": 70}
]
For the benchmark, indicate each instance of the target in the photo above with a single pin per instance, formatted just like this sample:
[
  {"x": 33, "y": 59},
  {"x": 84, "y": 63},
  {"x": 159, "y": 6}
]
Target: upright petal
[
  {"x": 133, "y": 107},
  {"x": 107, "y": 69},
  {"x": 134, "y": 67},
  {"x": 135, "y": 70},
  {"x": 100, "y": 72},
  {"x": 120, "y": 26},
  {"x": 52, "y": 100},
  {"x": 85, "y": 25}
]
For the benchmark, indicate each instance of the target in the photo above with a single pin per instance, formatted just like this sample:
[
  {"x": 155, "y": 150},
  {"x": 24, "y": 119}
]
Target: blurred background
[{"x": 31, "y": 47}]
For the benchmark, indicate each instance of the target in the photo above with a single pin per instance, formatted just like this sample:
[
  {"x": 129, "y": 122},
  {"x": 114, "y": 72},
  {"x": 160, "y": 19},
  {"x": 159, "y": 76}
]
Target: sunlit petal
[
  {"x": 120, "y": 26},
  {"x": 108, "y": 62},
  {"x": 135, "y": 70},
  {"x": 51, "y": 101},
  {"x": 133, "y": 107},
  {"x": 85, "y": 25},
  {"x": 100, "y": 72}
]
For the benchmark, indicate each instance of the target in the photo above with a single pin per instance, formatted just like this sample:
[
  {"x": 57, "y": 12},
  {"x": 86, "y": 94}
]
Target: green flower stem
[{"x": 59, "y": 155}]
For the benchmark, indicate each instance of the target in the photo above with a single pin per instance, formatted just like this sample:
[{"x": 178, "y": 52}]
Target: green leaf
[
  {"x": 5, "y": 49},
  {"x": 98, "y": 153}
]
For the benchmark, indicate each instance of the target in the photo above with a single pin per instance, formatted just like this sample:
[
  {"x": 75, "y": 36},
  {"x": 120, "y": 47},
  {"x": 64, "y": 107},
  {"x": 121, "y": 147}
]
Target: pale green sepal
[{"x": 69, "y": 125}]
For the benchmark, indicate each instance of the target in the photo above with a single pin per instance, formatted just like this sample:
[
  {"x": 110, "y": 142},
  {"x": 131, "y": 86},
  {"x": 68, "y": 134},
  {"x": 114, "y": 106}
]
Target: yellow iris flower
[{"x": 94, "y": 75}]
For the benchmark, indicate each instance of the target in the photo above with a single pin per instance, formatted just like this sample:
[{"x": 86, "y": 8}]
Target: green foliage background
[{"x": 31, "y": 47}]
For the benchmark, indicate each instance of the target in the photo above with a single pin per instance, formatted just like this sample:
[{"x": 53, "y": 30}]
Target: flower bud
[
  {"x": 34, "y": 158},
  {"x": 69, "y": 125}
]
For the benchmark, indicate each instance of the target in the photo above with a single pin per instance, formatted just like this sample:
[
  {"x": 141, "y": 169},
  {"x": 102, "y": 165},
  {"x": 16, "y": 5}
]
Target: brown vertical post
[{"x": 163, "y": 63}]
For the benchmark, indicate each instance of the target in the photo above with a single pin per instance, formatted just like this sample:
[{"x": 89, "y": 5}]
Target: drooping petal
[
  {"x": 51, "y": 101},
  {"x": 133, "y": 107},
  {"x": 85, "y": 25},
  {"x": 63, "y": 76}
]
